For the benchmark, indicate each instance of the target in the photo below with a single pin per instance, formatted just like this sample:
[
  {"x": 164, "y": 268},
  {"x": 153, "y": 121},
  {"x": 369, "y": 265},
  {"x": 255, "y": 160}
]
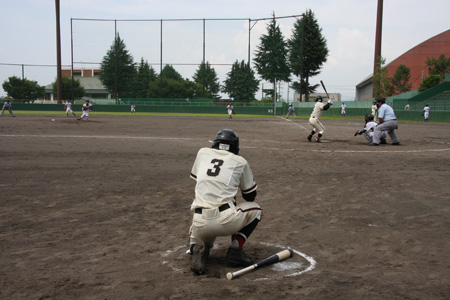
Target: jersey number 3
[{"x": 216, "y": 168}]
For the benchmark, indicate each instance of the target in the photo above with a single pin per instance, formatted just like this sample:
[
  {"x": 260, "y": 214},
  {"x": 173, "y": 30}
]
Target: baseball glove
[{"x": 234, "y": 112}]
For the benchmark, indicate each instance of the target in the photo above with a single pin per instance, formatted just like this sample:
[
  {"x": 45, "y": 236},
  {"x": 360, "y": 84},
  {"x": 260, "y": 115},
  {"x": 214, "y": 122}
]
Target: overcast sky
[{"x": 28, "y": 34}]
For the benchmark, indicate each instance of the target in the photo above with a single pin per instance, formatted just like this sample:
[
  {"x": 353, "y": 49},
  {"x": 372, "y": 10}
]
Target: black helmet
[
  {"x": 319, "y": 98},
  {"x": 227, "y": 139},
  {"x": 369, "y": 117},
  {"x": 381, "y": 100}
]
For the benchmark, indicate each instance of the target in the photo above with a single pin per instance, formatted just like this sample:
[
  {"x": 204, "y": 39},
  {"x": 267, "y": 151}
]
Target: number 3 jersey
[{"x": 219, "y": 174}]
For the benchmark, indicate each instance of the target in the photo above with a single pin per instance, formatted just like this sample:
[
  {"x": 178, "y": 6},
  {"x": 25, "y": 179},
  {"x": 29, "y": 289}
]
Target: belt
[{"x": 221, "y": 208}]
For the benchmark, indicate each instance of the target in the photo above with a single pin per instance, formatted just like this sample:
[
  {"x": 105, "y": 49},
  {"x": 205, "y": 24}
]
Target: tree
[
  {"x": 118, "y": 69},
  {"x": 429, "y": 82},
  {"x": 78, "y": 90},
  {"x": 271, "y": 56},
  {"x": 308, "y": 52},
  {"x": 207, "y": 77},
  {"x": 382, "y": 84},
  {"x": 170, "y": 84},
  {"x": 400, "y": 81},
  {"x": 438, "y": 66},
  {"x": 241, "y": 84},
  {"x": 145, "y": 74},
  {"x": 17, "y": 88}
]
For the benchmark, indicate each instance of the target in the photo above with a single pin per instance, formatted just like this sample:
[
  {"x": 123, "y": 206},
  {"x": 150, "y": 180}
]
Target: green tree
[
  {"x": 429, "y": 82},
  {"x": 170, "y": 84},
  {"x": 241, "y": 84},
  {"x": 207, "y": 77},
  {"x": 118, "y": 70},
  {"x": 271, "y": 56},
  {"x": 400, "y": 81},
  {"x": 438, "y": 66},
  {"x": 17, "y": 88},
  {"x": 308, "y": 52},
  {"x": 382, "y": 84},
  {"x": 78, "y": 90},
  {"x": 145, "y": 74}
]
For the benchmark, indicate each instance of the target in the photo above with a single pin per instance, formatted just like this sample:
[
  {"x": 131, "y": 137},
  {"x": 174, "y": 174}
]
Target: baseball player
[
  {"x": 87, "y": 107},
  {"x": 387, "y": 122},
  {"x": 368, "y": 130},
  {"x": 133, "y": 108},
  {"x": 68, "y": 107},
  {"x": 319, "y": 107},
  {"x": 426, "y": 112},
  {"x": 230, "y": 110},
  {"x": 291, "y": 110},
  {"x": 219, "y": 172},
  {"x": 343, "y": 109},
  {"x": 7, "y": 106},
  {"x": 374, "y": 110}
]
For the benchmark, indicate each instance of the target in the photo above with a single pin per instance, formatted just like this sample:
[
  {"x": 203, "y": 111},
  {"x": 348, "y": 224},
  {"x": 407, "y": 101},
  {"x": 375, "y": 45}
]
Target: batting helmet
[
  {"x": 381, "y": 100},
  {"x": 369, "y": 117},
  {"x": 226, "y": 139},
  {"x": 319, "y": 98}
]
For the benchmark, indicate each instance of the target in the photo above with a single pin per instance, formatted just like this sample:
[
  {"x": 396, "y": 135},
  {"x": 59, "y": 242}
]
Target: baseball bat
[
  {"x": 323, "y": 85},
  {"x": 270, "y": 260}
]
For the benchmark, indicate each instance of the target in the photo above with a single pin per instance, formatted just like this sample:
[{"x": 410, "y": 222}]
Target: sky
[{"x": 28, "y": 34}]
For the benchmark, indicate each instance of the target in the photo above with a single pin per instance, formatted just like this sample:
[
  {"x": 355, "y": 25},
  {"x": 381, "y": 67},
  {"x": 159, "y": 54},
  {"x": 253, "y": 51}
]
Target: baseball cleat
[
  {"x": 318, "y": 141},
  {"x": 309, "y": 137},
  {"x": 396, "y": 144},
  {"x": 237, "y": 257},
  {"x": 373, "y": 144},
  {"x": 200, "y": 254}
]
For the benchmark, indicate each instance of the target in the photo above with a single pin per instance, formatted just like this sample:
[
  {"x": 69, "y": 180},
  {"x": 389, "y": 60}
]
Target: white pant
[
  {"x": 315, "y": 123},
  {"x": 212, "y": 223}
]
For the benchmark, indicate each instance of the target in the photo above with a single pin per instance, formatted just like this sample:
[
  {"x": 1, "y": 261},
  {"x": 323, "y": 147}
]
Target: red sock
[{"x": 240, "y": 240}]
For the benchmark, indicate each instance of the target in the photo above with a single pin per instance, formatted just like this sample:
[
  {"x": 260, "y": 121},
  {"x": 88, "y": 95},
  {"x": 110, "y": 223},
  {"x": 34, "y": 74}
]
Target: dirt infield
[{"x": 100, "y": 210}]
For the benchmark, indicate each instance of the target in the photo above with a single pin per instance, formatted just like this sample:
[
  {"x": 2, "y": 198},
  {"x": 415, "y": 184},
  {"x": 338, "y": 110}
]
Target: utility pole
[
  {"x": 377, "y": 41},
  {"x": 58, "y": 55}
]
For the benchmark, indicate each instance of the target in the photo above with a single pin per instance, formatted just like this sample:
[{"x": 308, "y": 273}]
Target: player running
[
  {"x": 220, "y": 172},
  {"x": 68, "y": 107},
  {"x": 319, "y": 107}
]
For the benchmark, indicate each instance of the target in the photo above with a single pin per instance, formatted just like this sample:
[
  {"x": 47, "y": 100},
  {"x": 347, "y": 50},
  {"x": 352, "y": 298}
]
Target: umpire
[{"x": 386, "y": 121}]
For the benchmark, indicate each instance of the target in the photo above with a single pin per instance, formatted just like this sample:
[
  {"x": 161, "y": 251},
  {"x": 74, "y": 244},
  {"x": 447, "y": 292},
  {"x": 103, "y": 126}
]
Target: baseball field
[{"x": 101, "y": 209}]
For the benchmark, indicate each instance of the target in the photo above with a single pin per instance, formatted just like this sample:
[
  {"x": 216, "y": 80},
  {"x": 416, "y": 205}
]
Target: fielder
[
  {"x": 426, "y": 112},
  {"x": 68, "y": 107},
  {"x": 343, "y": 109},
  {"x": 7, "y": 106},
  {"x": 87, "y": 107},
  {"x": 133, "y": 108},
  {"x": 291, "y": 110},
  {"x": 219, "y": 172},
  {"x": 319, "y": 107},
  {"x": 230, "y": 110},
  {"x": 368, "y": 130},
  {"x": 374, "y": 110}
]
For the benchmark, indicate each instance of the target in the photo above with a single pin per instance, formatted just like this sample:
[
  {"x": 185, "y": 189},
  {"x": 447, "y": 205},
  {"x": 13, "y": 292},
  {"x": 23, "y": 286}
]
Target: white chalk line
[
  {"x": 294, "y": 268},
  {"x": 243, "y": 147}
]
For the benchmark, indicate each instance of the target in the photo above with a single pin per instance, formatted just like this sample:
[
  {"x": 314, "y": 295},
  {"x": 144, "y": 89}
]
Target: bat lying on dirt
[{"x": 270, "y": 260}]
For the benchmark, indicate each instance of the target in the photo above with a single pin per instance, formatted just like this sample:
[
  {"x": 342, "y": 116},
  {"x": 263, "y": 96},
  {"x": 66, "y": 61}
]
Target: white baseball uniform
[
  {"x": 7, "y": 105},
  {"x": 68, "y": 106},
  {"x": 368, "y": 131},
  {"x": 230, "y": 110},
  {"x": 426, "y": 112},
  {"x": 219, "y": 175},
  {"x": 315, "y": 115},
  {"x": 85, "y": 109}
]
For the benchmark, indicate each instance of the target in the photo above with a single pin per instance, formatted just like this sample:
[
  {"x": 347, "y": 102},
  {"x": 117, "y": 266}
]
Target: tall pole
[
  {"x": 58, "y": 55},
  {"x": 377, "y": 41}
]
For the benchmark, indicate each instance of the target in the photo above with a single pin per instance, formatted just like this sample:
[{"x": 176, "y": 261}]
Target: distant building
[
  {"x": 414, "y": 59},
  {"x": 89, "y": 80}
]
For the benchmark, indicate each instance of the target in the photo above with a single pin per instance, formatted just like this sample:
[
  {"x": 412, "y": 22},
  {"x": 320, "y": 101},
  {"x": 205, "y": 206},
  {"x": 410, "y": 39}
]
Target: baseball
[{"x": 53, "y": 120}]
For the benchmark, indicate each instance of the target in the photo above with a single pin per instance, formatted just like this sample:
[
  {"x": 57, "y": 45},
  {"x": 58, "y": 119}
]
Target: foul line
[{"x": 244, "y": 147}]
